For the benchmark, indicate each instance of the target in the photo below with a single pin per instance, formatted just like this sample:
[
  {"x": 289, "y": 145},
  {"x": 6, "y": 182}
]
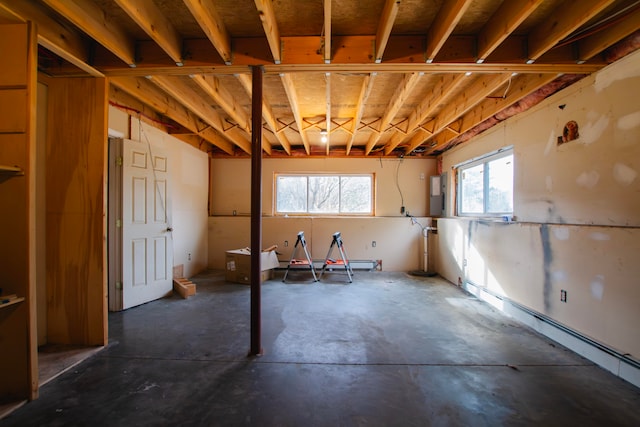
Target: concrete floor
[{"x": 387, "y": 350}]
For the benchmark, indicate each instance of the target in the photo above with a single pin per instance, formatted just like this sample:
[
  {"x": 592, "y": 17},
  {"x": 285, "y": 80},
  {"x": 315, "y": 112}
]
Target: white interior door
[{"x": 146, "y": 223}]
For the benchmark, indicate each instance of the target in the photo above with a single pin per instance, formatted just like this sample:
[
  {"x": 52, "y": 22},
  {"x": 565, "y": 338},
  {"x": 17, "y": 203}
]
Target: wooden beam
[
  {"x": 268, "y": 115},
  {"x": 568, "y": 17},
  {"x": 443, "y": 24},
  {"x": 327, "y": 80},
  {"x": 520, "y": 87},
  {"x": 151, "y": 19},
  {"x": 471, "y": 96},
  {"x": 503, "y": 22},
  {"x": 592, "y": 45},
  {"x": 395, "y": 103},
  {"x": 161, "y": 102},
  {"x": 91, "y": 19},
  {"x": 64, "y": 41},
  {"x": 448, "y": 84},
  {"x": 268, "y": 18},
  {"x": 191, "y": 99},
  {"x": 365, "y": 91},
  {"x": 212, "y": 87},
  {"x": 327, "y": 31},
  {"x": 384, "y": 27},
  {"x": 205, "y": 12},
  {"x": 290, "y": 89}
]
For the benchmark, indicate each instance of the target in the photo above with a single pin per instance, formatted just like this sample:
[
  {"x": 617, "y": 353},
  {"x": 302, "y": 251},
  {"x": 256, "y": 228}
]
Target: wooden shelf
[
  {"x": 10, "y": 302},
  {"x": 11, "y": 170}
]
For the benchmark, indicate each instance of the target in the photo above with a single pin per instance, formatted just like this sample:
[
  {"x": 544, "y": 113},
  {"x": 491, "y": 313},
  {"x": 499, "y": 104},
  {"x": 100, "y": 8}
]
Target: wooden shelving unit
[
  {"x": 11, "y": 171},
  {"x": 10, "y": 302}
]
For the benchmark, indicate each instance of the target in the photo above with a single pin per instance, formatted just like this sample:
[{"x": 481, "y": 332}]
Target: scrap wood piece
[{"x": 184, "y": 287}]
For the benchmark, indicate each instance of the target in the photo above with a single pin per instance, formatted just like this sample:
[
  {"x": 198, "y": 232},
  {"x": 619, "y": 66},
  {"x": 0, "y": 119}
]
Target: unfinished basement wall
[
  {"x": 398, "y": 181},
  {"x": 189, "y": 184},
  {"x": 577, "y": 210}
]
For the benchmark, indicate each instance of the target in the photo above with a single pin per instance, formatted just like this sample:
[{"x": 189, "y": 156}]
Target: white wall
[
  {"x": 397, "y": 240},
  {"x": 577, "y": 207},
  {"x": 189, "y": 177}
]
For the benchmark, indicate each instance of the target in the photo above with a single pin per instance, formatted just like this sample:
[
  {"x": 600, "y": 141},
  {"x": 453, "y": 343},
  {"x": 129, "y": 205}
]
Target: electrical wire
[{"x": 398, "y": 183}]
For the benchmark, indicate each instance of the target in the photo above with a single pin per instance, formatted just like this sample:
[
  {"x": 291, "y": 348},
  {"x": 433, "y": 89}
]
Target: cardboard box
[{"x": 238, "y": 265}]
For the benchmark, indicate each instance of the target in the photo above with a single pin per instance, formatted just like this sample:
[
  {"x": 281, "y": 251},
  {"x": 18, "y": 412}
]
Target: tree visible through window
[
  {"x": 485, "y": 186},
  {"x": 324, "y": 194}
]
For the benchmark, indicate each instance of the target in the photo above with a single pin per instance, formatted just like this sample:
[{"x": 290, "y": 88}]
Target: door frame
[{"x": 114, "y": 223}]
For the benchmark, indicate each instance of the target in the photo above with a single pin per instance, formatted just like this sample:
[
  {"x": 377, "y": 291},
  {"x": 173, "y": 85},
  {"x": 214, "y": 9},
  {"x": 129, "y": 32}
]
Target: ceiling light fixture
[{"x": 323, "y": 138}]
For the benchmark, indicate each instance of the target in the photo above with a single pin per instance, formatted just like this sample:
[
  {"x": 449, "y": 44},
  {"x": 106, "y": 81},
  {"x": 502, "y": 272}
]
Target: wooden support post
[{"x": 256, "y": 209}]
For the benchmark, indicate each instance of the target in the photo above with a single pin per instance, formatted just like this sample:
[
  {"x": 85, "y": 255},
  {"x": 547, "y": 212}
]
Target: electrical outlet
[
  {"x": 286, "y": 243},
  {"x": 189, "y": 257},
  {"x": 373, "y": 244},
  {"x": 464, "y": 262},
  {"x": 563, "y": 295}
]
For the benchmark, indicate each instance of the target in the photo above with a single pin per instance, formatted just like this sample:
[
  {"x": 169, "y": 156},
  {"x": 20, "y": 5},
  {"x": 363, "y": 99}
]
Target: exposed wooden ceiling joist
[
  {"x": 91, "y": 19},
  {"x": 566, "y": 19},
  {"x": 204, "y": 11},
  {"x": 62, "y": 40},
  {"x": 268, "y": 18},
  {"x": 181, "y": 91},
  {"x": 442, "y": 26},
  {"x": 338, "y": 63},
  {"x": 267, "y": 114},
  {"x": 151, "y": 19},
  {"x": 385, "y": 26},
  {"x": 405, "y": 87},
  {"x": 160, "y": 101}
]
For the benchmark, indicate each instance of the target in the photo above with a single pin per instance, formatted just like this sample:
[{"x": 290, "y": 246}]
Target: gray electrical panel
[{"x": 437, "y": 192}]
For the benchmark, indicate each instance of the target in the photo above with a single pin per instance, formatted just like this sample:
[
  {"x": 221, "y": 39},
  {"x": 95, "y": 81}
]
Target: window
[
  {"x": 324, "y": 194},
  {"x": 485, "y": 186}
]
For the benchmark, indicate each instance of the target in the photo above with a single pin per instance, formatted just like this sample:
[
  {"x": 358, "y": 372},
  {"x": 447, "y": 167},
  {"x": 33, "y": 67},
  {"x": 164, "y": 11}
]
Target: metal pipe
[{"x": 256, "y": 210}]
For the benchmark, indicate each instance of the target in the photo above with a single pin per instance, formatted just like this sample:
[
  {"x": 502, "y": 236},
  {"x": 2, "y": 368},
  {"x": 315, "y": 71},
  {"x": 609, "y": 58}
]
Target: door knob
[{"x": 169, "y": 229}]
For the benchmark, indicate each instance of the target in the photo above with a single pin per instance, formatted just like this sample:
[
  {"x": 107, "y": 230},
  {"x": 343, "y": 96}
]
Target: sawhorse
[
  {"x": 344, "y": 261},
  {"x": 293, "y": 261}
]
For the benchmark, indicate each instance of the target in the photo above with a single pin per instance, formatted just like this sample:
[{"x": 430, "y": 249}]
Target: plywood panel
[
  {"x": 76, "y": 192},
  {"x": 18, "y": 358},
  {"x": 13, "y": 49},
  {"x": 13, "y": 110}
]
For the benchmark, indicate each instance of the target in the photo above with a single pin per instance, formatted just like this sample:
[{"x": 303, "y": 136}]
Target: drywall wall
[
  {"x": 397, "y": 241},
  {"x": 398, "y": 182},
  {"x": 577, "y": 206},
  {"x": 189, "y": 189}
]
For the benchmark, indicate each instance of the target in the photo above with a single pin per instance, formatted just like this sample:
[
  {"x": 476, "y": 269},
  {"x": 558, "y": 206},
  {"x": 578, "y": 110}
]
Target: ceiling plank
[
  {"x": 569, "y": 16},
  {"x": 290, "y": 89},
  {"x": 191, "y": 99},
  {"x": 384, "y": 27},
  {"x": 63, "y": 41},
  {"x": 395, "y": 103},
  {"x": 503, "y": 22},
  {"x": 92, "y": 20},
  {"x": 268, "y": 18},
  {"x": 365, "y": 91},
  {"x": 205, "y": 12},
  {"x": 151, "y": 19},
  {"x": 448, "y": 84},
  {"x": 465, "y": 101},
  {"x": 221, "y": 96},
  {"x": 592, "y": 45},
  {"x": 267, "y": 114},
  {"x": 161, "y": 102},
  {"x": 327, "y": 31},
  {"x": 443, "y": 24}
]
